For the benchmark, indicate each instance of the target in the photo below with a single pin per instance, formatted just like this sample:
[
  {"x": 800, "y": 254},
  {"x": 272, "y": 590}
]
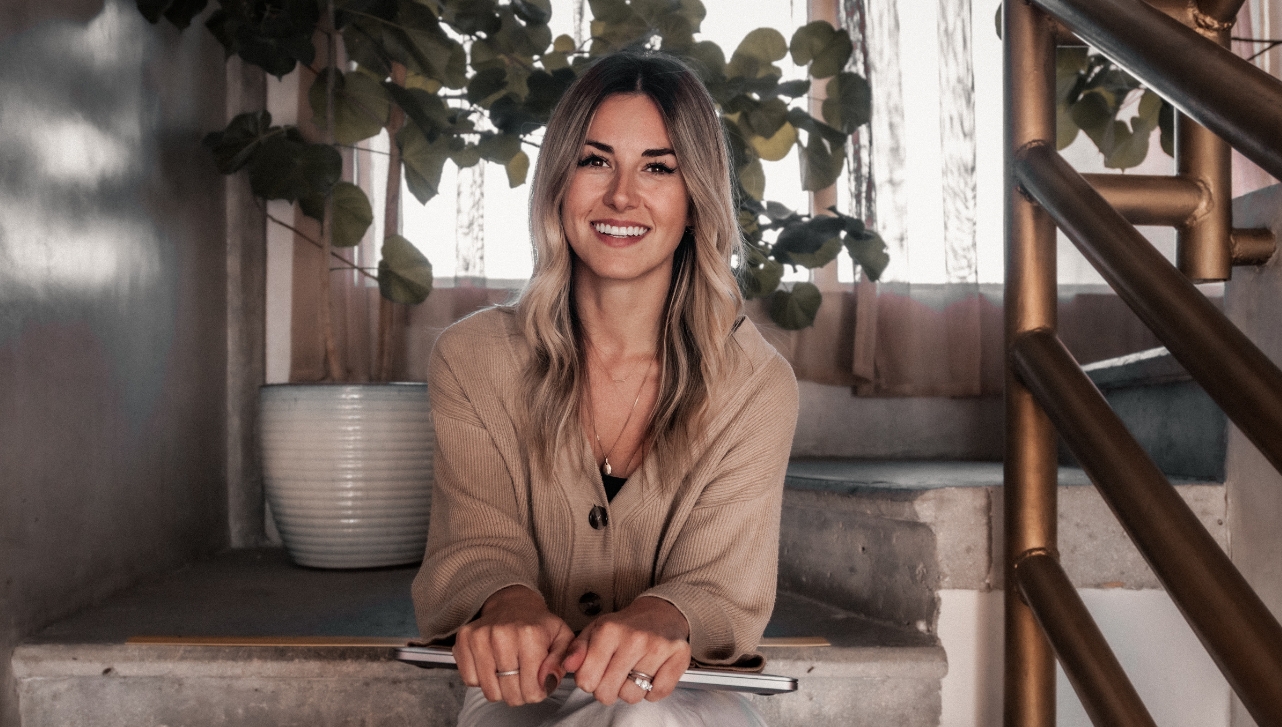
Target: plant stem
[
  {"x": 347, "y": 264},
  {"x": 391, "y": 226},
  {"x": 333, "y": 371}
]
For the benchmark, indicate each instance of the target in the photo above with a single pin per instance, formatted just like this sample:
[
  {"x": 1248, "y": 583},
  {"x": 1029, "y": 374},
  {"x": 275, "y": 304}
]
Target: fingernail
[{"x": 551, "y": 683}]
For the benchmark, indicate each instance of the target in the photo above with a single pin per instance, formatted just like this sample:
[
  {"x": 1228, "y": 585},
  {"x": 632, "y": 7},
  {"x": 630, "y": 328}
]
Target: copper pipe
[
  {"x": 1203, "y": 250},
  {"x": 1091, "y": 667},
  {"x": 1237, "y": 629},
  {"x": 1145, "y": 199},
  {"x": 1030, "y": 303},
  {"x": 1241, "y": 379},
  {"x": 1219, "y": 11},
  {"x": 1228, "y": 95},
  {"x": 1253, "y": 247}
]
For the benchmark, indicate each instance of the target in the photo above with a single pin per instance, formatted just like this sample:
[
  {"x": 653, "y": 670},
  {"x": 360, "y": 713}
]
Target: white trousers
[{"x": 571, "y": 707}]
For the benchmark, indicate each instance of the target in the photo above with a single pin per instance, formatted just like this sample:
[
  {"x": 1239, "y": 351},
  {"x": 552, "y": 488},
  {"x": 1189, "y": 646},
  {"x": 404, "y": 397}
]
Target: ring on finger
[
  {"x": 642, "y": 680},
  {"x": 510, "y": 673}
]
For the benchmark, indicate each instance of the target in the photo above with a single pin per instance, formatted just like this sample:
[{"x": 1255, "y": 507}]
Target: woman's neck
[{"x": 620, "y": 319}]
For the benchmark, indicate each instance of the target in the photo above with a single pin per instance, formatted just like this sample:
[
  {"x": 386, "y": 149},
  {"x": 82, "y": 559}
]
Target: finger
[
  {"x": 507, "y": 657},
  {"x": 552, "y": 670},
  {"x": 666, "y": 677},
  {"x": 630, "y": 647},
  {"x": 577, "y": 652},
  {"x": 463, "y": 658},
  {"x": 600, "y": 646},
  {"x": 532, "y": 648},
  {"x": 483, "y": 658}
]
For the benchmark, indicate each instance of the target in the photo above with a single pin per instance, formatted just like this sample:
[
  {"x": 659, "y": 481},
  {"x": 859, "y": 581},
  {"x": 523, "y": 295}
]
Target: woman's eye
[
  {"x": 660, "y": 168},
  {"x": 592, "y": 160}
]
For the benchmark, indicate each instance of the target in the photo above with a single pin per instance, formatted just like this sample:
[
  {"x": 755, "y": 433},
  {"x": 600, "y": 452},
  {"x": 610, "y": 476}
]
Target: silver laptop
[{"x": 732, "y": 681}]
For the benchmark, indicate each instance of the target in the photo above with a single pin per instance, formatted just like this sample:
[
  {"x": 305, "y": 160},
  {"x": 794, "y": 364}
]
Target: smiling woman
[{"x": 577, "y": 491}]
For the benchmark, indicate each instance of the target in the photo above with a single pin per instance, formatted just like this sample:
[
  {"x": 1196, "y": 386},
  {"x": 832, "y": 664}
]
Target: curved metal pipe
[
  {"x": 1238, "y": 630},
  {"x": 1219, "y": 90},
  {"x": 1236, "y": 374}
]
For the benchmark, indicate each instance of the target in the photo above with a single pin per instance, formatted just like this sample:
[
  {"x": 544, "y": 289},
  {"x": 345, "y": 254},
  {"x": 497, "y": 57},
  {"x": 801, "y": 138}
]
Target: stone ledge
[{"x": 880, "y": 538}]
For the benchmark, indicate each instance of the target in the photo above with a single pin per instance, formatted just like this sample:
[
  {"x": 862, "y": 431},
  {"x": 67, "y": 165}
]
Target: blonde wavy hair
[{"x": 703, "y": 297}]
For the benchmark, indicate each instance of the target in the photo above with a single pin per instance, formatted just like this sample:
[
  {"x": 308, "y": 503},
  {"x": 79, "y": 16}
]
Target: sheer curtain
[{"x": 921, "y": 330}]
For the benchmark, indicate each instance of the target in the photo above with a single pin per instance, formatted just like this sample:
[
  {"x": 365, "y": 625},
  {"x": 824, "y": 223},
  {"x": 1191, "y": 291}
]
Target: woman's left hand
[{"x": 649, "y": 636}]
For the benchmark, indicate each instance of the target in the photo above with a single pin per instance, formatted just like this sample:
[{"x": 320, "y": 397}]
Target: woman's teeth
[{"x": 615, "y": 231}]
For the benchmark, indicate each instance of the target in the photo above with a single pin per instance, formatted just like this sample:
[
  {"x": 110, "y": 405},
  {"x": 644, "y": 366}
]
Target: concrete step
[
  {"x": 81, "y": 671},
  {"x": 1168, "y": 413},
  {"x": 882, "y": 538}
]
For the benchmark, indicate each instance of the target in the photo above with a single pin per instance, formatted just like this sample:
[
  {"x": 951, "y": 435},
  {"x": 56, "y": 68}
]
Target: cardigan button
[
  {"x": 598, "y": 518},
  {"x": 590, "y": 604}
]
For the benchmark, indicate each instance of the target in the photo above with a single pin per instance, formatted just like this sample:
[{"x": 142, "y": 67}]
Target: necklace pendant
[{"x": 605, "y": 468}]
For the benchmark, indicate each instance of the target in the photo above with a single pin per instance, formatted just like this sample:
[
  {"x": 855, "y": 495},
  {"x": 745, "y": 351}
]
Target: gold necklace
[
  {"x": 606, "y": 469},
  {"x": 606, "y": 369}
]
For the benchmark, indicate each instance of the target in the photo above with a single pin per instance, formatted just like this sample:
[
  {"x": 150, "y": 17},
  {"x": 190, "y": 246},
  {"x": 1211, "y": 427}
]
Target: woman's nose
[{"x": 622, "y": 192}]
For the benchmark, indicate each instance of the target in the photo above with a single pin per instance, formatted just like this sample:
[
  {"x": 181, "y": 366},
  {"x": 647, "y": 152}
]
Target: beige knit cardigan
[{"x": 707, "y": 542}]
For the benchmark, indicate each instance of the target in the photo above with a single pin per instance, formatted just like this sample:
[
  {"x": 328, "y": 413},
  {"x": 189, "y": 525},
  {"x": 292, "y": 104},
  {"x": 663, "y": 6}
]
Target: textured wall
[{"x": 112, "y": 307}]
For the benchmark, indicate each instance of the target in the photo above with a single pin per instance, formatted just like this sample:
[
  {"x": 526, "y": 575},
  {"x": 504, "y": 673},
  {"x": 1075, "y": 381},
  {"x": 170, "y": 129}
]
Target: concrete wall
[
  {"x": 113, "y": 336},
  {"x": 1254, "y": 488}
]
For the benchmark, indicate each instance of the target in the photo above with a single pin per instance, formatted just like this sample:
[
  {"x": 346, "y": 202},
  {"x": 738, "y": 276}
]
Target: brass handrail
[
  {"x": 1238, "y": 630},
  {"x": 1090, "y": 665},
  {"x": 1225, "y": 93},
  {"x": 1236, "y": 374}
]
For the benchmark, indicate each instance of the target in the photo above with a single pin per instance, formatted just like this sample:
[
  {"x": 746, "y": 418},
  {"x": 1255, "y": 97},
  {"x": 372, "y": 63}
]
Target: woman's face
[{"x": 626, "y": 208}]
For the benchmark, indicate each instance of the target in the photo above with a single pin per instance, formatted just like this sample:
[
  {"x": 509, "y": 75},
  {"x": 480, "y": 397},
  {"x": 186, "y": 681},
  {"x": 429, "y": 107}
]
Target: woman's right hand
[{"x": 515, "y": 631}]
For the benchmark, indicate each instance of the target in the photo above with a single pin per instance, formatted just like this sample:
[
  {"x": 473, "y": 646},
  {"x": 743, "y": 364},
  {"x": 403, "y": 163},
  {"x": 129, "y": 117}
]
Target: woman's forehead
[{"x": 630, "y": 119}]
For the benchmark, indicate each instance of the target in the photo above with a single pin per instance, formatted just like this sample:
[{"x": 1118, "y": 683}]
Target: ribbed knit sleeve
[
  {"x": 721, "y": 569},
  {"x": 479, "y": 540}
]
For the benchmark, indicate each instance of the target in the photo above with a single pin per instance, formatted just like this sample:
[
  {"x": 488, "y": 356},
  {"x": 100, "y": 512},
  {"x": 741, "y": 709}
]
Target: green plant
[
  {"x": 466, "y": 80},
  {"x": 1091, "y": 92}
]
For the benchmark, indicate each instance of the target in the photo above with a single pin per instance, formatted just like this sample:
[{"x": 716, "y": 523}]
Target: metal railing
[{"x": 1178, "y": 50}]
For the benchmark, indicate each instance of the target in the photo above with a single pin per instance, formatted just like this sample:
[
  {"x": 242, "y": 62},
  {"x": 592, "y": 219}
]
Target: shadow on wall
[{"x": 77, "y": 240}]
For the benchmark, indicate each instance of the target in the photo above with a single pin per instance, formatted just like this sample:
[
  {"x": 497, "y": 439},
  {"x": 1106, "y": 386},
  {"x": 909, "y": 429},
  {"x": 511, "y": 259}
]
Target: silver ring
[
  {"x": 642, "y": 680},
  {"x": 512, "y": 673}
]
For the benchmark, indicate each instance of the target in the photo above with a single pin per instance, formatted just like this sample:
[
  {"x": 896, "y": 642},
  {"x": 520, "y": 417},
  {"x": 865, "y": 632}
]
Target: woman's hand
[
  {"x": 650, "y": 636},
  {"x": 515, "y": 632}
]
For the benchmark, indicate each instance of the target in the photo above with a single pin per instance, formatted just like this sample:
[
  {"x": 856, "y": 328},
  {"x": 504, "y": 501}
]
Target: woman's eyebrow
[{"x": 647, "y": 153}]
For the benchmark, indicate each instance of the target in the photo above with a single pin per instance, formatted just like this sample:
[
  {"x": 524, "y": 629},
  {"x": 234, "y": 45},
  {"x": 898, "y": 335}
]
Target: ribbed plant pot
[{"x": 348, "y": 471}]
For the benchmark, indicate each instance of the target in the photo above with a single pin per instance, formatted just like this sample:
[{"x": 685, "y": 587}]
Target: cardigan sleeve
[
  {"x": 721, "y": 571},
  {"x": 478, "y": 541}
]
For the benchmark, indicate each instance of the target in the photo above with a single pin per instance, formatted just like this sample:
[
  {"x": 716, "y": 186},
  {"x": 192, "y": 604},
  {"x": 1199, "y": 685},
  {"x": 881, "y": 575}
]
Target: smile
[{"x": 618, "y": 231}]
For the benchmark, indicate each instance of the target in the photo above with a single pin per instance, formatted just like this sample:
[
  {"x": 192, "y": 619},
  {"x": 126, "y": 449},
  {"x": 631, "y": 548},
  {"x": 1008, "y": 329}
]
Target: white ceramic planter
[{"x": 348, "y": 471}]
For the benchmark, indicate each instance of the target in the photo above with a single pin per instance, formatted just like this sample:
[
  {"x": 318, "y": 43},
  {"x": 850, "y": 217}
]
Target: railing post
[
  {"x": 1204, "y": 251},
  {"x": 1030, "y": 303}
]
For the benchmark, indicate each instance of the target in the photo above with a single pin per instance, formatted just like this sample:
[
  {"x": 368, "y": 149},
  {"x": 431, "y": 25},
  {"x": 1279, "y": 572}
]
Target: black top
[{"x": 612, "y": 485}]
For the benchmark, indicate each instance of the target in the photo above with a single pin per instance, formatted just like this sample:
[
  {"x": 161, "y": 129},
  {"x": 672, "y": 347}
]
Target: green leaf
[
  {"x": 812, "y": 243},
  {"x": 468, "y": 156},
  {"x": 752, "y": 177},
  {"x": 427, "y": 110},
  {"x": 404, "y": 274},
  {"x": 233, "y": 146},
  {"x": 471, "y": 17},
  {"x": 286, "y": 167},
  {"x": 275, "y": 41},
  {"x": 517, "y": 167},
  {"x": 849, "y": 102},
  {"x": 821, "y": 45},
  {"x": 361, "y": 105},
  {"x": 563, "y": 44},
  {"x": 767, "y": 117},
  {"x": 352, "y": 214},
  {"x": 760, "y": 280},
  {"x": 756, "y": 54},
  {"x": 795, "y": 309},
  {"x": 423, "y": 161},
  {"x": 486, "y": 85},
  {"x": 178, "y": 12},
  {"x": 821, "y": 163},
  {"x": 1166, "y": 122},
  {"x": 1065, "y": 128},
  {"x": 777, "y": 146},
  {"x": 869, "y": 251},
  {"x": 499, "y": 147},
  {"x": 793, "y": 89},
  {"x": 536, "y": 12},
  {"x": 708, "y": 59}
]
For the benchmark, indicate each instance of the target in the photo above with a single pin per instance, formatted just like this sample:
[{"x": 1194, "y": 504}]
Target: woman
[{"x": 611, "y": 451}]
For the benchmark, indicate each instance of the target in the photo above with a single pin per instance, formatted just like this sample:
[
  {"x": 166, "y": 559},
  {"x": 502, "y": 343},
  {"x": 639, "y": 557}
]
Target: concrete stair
[{"x": 866, "y": 550}]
